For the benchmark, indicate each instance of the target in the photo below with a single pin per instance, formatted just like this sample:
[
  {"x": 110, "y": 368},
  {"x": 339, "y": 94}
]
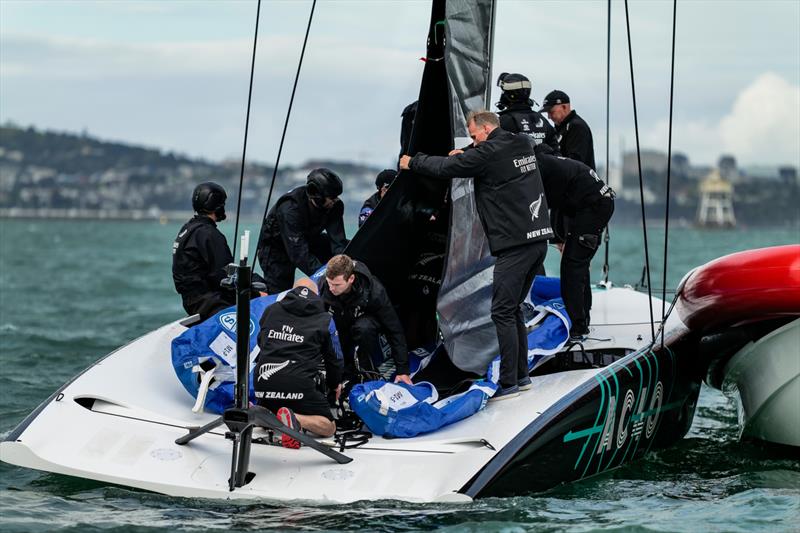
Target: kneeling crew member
[
  {"x": 516, "y": 111},
  {"x": 303, "y": 230},
  {"x": 575, "y": 190},
  {"x": 362, "y": 310},
  {"x": 513, "y": 210},
  {"x": 294, "y": 339},
  {"x": 382, "y": 182},
  {"x": 200, "y": 253}
]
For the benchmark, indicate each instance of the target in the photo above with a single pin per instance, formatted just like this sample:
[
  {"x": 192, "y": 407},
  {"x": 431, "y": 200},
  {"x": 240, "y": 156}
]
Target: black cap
[
  {"x": 554, "y": 98},
  {"x": 385, "y": 177}
]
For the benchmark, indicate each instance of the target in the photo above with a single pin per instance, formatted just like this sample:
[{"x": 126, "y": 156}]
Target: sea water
[{"x": 72, "y": 291}]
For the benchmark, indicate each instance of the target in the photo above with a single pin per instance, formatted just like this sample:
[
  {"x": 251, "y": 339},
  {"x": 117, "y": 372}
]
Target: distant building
[{"x": 716, "y": 202}]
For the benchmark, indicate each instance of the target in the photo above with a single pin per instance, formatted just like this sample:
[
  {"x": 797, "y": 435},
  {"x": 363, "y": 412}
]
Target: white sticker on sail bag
[{"x": 224, "y": 347}]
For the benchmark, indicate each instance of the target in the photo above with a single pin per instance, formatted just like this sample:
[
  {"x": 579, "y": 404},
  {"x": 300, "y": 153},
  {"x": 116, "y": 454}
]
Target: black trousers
[
  {"x": 361, "y": 341},
  {"x": 279, "y": 269},
  {"x": 581, "y": 244},
  {"x": 514, "y": 271}
]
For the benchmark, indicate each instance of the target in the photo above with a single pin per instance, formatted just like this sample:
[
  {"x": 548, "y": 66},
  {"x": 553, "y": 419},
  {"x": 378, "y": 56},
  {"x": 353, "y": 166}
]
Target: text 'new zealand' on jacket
[
  {"x": 367, "y": 296},
  {"x": 508, "y": 189},
  {"x": 521, "y": 118},
  {"x": 296, "y": 329},
  {"x": 199, "y": 256},
  {"x": 291, "y": 224}
]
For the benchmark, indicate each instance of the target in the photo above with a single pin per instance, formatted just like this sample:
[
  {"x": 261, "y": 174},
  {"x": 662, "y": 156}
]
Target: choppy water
[{"x": 72, "y": 291}]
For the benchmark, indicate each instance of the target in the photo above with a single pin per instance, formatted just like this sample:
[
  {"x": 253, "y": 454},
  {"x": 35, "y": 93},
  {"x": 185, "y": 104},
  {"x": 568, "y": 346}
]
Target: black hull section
[{"x": 645, "y": 401}]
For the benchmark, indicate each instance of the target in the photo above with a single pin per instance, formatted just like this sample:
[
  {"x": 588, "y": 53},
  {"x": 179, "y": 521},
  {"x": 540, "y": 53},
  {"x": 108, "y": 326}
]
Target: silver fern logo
[
  {"x": 535, "y": 207},
  {"x": 267, "y": 370}
]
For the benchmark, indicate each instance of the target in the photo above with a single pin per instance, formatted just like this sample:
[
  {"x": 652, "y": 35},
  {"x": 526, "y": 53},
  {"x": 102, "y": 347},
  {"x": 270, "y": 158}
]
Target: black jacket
[
  {"x": 575, "y": 139},
  {"x": 367, "y": 296},
  {"x": 295, "y": 329},
  {"x": 520, "y": 118},
  {"x": 508, "y": 189},
  {"x": 291, "y": 223},
  {"x": 369, "y": 206},
  {"x": 199, "y": 256},
  {"x": 569, "y": 184}
]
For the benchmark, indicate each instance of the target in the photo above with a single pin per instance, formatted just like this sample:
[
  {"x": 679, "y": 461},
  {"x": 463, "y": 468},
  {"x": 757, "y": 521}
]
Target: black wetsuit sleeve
[
  {"x": 391, "y": 327},
  {"x": 216, "y": 253},
  {"x": 294, "y": 241},
  {"x": 469, "y": 164},
  {"x": 335, "y": 230}
]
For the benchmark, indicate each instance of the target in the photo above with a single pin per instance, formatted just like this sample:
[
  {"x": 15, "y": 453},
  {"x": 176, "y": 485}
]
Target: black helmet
[
  {"x": 209, "y": 198},
  {"x": 516, "y": 88},
  {"x": 323, "y": 183},
  {"x": 385, "y": 177}
]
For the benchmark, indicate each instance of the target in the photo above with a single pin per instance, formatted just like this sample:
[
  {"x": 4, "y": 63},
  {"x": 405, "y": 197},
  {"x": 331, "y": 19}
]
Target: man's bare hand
[
  {"x": 403, "y": 378},
  {"x": 405, "y": 162},
  {"x": 338, "y": 391},
  {"x": 455, "y": 152}
]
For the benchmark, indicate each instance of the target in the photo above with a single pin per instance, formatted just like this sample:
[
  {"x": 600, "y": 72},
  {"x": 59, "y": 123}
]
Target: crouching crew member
[
  {"x": 362, "y": 311},
  {"x": 303, "y": 230},
  {"x": 382, "y": 182},
  {"x": 513, "y": 210},
  {"x": 575, "y": 191},
  {"x": 294, "y": 339},
  {"x": 517, "y": 114},
  {"x": 200, "y": 253}
]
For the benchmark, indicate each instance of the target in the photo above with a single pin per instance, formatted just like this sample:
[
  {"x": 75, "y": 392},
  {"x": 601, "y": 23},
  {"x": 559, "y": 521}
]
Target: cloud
[
  {"x": 762, "y": 127},
  {"x": 764, "y": 124}
]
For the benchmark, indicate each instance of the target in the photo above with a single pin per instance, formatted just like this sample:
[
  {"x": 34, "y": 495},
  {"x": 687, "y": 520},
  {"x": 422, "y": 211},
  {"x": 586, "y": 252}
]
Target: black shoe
[
  {"x": 524, "y": 383},
  {"x": 503, "y": 393}
]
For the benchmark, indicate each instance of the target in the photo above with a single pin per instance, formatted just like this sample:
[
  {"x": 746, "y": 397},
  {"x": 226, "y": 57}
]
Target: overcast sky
[{"x": 173, "y": 75}]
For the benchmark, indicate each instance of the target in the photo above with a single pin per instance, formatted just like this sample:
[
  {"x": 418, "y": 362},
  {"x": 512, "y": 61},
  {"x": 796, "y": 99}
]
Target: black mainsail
[{"x": 425, "y": 241}]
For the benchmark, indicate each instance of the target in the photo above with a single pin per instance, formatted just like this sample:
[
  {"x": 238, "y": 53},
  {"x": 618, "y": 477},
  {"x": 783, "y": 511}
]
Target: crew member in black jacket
[
  {"x": 200, "y": 254},
  {"x": 575, "y": 137},
  {"x": 513, "y": 210},
  {"x": 574, "y": 190},
  {"x": 362, "y": 310},
  {"x": 294, "y": 339},
  {"x": 382, "y": 182},
  {"x": 517, "y": 114},
  {"x": 303, "y": 230}
]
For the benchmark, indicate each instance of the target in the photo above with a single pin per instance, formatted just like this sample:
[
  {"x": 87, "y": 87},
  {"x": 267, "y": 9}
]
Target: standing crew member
[
  {"x": 303, "y": 230},
  {"x": 513, "y": 210},
  {"x": 517, "y": 114},
  {"x": 362, "y": 311},
  {"x": 382, "y": 182},
  {"x": 575, "y": 137},
  {"x": 294, "y": 339},
  {"x": 575, "y": 191},
  {"x": 200, "y": 253}
]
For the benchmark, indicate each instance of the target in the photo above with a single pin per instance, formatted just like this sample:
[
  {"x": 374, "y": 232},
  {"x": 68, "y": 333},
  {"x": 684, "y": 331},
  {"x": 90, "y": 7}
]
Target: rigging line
[
  {"x": 286, "y": 124},
  {"x": 606, "y": 239},
  {"x": 669, "y": 164},
  {"x": 641, "y": 181},
  {"x": 246, "y": 128}
]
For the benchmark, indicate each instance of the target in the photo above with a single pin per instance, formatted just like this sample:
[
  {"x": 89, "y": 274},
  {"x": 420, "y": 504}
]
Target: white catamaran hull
[
  {"x": 763, "y": 378},
  {"x": 118, "y": 421}
]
